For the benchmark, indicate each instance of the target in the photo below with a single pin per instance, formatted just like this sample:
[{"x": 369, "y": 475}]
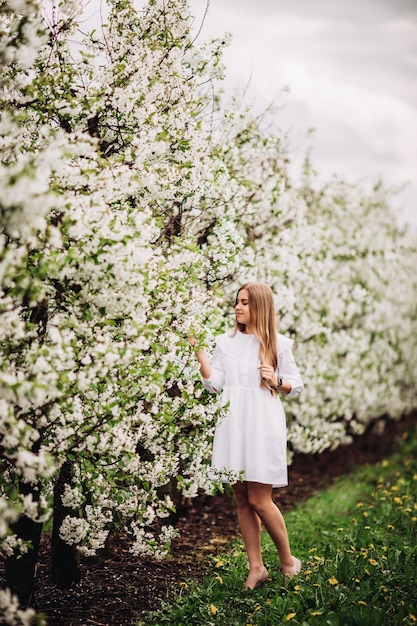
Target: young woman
[{"x": 253, "y": 365}]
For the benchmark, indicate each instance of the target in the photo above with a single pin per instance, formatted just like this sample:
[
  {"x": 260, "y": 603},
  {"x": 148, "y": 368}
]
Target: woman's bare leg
[
  {"x": 250, "y": 527},
  {"x": 260, "y": 500}
]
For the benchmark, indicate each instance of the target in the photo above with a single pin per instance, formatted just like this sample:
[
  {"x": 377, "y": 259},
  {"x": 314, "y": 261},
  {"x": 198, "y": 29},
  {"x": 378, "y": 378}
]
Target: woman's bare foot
[
  {"x": 290, "y": 572},
  {"x": 256, "y": 577}
]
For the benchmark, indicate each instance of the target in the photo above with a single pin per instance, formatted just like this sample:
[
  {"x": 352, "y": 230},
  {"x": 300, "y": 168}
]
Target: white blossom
[
  {"x": 73, "y": 529},
  {"x": 12, "y": 614}
]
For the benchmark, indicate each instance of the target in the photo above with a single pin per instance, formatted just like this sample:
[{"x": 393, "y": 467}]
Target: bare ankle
[
  {"x": 291, "y": 568},
  {"x": 257, "y": 575},
  {"x": 287, "y": 565}
]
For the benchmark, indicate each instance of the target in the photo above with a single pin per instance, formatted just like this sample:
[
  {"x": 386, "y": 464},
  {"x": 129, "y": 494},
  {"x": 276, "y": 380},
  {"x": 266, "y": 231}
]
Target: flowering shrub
[{"x": 133, "y": 202}]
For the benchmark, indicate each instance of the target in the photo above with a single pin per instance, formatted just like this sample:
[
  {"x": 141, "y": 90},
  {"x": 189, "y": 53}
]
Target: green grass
[{"x": 357, "y": 541}]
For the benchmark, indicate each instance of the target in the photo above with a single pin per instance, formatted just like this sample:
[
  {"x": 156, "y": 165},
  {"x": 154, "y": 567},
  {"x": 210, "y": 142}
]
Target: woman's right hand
[{"x": 202, "y": 358}]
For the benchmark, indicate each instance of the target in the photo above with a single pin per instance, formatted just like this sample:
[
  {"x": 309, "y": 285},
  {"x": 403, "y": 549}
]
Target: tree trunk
[
  {"x": 65, "y": 562},
  {"x": 21, "y": 570}
]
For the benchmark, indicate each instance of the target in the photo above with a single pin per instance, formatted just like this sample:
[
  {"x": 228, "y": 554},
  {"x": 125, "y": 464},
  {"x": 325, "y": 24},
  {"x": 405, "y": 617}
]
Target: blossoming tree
[{"x": 133, "y": 203}]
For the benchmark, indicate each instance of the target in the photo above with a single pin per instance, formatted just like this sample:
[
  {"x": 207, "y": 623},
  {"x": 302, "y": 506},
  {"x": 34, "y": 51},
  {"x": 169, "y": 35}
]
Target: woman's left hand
[{"x": 268, "y": 373}]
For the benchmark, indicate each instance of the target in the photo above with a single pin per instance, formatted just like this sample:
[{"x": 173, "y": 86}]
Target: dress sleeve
[
  {"x": 216, "y": 381},
  {"x": 288, "y": 370}
]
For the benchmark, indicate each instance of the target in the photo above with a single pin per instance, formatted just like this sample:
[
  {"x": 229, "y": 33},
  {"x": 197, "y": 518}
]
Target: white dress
[{"x": 251, "y": 440}]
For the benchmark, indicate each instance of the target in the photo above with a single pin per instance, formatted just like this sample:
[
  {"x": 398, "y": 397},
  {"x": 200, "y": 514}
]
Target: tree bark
[
  {"x": 65, "y": 561},
  {"x": 21, "y": 570}
]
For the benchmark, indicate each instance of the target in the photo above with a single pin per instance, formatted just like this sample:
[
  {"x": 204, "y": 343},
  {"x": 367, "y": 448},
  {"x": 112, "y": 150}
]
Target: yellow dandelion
[
  {"x": 339, "y": 530},
  {"x": 360, "y": 505},
  {"x": 290, "y": 616},
  {"x": 415, "y": 477},
  {"x": 373, "y": 562},
  {"x": 407, "y": 510},
  {"x": 414, "y": 519},
  {"x": 365, "y": 513},
  {"x": 367, "y": 572},
  {"x": 314, "y": 613},
  {"x": 213, "y": 609},
  {"x": 296, "y": 587},
  {"x": 362, "y": 602},
  {"x": 333, "y": 581},
  {"x": 398, "y": 500},
  {"x": 218, "y": 578},
  {"x": 394, "y": 488},
  {"x": 391, "y": 527},
  {"x": 367, "y": 527},
  {"x": 313, "y": 550},
  {"x": 385, "y": 463},
  {"x": 258, "y": 607},
  {"x": 219, "y": 564},
  {"x": 412, "y": 618},
  {"x": 184, "y": 585}
]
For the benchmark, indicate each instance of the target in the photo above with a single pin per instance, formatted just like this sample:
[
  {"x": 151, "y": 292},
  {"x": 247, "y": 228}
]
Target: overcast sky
[{"x": 351, "y": 66}]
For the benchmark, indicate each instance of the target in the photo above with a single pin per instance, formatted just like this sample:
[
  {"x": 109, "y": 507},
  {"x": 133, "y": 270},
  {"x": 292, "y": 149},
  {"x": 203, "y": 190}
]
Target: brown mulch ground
[{"x": 119, "y": 588}]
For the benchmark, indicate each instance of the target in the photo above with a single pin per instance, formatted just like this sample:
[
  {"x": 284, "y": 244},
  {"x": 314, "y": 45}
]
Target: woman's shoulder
[
  {"x": 230, "y": 341},
  {"x": 225, "y": 338},
  {"x": 284, "y": 343},
  {"x": 231, "y": 335}
]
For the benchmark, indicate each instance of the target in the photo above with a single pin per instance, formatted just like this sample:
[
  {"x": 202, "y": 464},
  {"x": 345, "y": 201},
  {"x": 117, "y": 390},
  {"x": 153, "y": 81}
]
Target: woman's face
[{"x": 242, "y": 309}]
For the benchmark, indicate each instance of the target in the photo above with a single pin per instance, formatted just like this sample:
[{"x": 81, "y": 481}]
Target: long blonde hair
[{"x": 263, "y": 324}]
